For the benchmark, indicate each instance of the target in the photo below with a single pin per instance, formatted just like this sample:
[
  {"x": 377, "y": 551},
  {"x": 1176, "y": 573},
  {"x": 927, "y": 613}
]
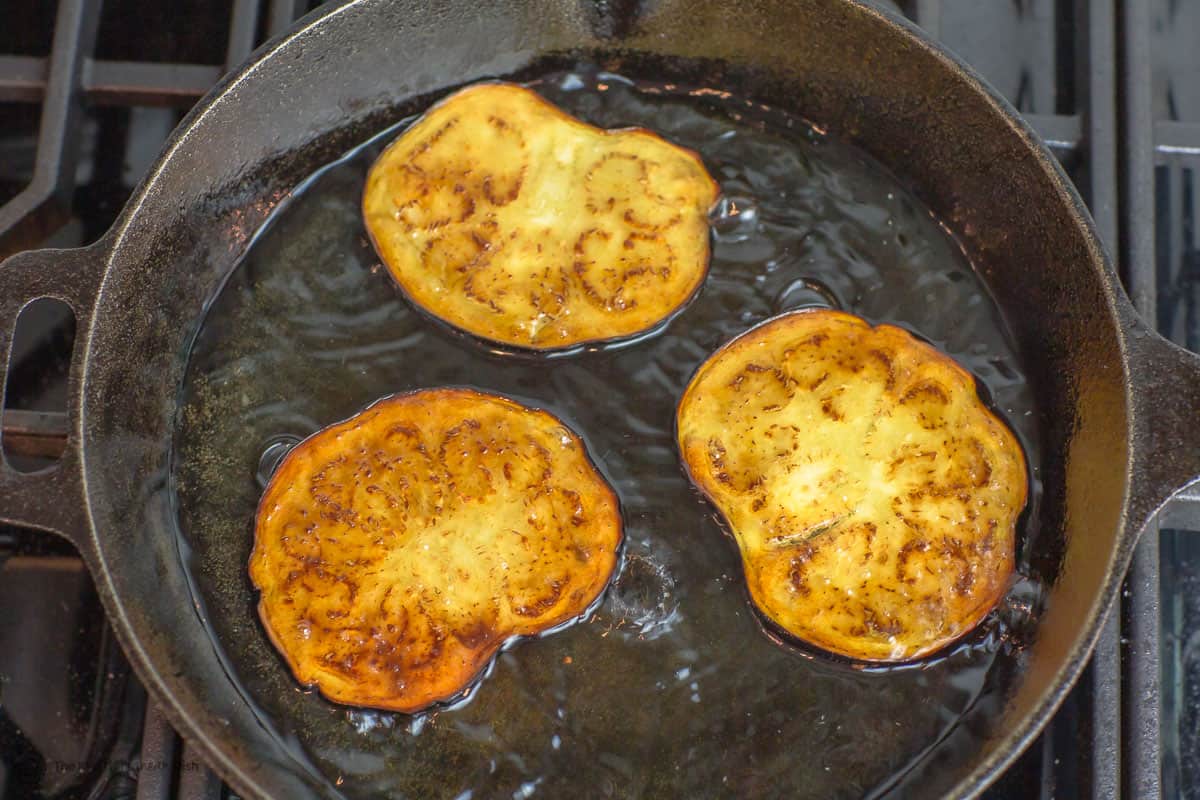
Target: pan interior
[{"x": 672, "y": 687}]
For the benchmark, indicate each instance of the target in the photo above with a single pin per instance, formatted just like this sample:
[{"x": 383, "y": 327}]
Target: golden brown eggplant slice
[
  {"x": 398, "y": 550},
  {"x": 512, "y": 220},
  {"x": 871, "y": 493}
]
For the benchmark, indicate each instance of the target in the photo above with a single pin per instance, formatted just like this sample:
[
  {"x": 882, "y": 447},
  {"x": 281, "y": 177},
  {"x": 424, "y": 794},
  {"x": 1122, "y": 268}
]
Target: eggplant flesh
[
  {"x": 873, "y": 496},
  {"x": 507, "y": 218},
  {"x": 398, "y": 551}
]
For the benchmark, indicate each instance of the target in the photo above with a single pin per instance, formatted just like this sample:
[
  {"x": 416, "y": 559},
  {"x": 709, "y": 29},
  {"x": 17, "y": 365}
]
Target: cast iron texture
[{"x": 1120, "y": 405}]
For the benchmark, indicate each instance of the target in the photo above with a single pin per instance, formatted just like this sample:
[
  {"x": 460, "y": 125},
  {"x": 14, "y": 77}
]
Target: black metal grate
[
  {"x": 70, "y": 79},
  {"x": 1082, "y": 71}
]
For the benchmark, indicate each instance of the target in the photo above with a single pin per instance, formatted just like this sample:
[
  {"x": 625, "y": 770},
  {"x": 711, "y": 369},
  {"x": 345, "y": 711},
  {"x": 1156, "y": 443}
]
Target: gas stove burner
[{"x": 88, "y": 94}]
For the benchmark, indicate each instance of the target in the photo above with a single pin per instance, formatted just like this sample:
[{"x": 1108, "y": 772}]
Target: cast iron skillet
[{"x": 1121, "y": 404}]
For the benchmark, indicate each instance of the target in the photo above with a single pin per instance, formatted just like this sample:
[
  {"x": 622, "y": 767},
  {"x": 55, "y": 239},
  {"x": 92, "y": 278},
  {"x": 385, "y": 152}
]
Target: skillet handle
[
  {"x": 52, "y": 499},
  {"x": 1166, "y": 433}
]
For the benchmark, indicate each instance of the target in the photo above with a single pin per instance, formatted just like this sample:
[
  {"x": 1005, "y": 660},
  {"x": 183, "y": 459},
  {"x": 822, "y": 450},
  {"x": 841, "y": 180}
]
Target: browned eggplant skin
[
  {"x": 873, "y": 496},
  {"x": 506, "y": 218},
  {"x": 396, "y": 552}
]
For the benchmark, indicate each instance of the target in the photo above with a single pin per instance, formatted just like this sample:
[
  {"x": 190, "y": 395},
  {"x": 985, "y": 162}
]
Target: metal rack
[
  {"x": 1107, "y": 740},
  {"x": 70, "y": 78}
]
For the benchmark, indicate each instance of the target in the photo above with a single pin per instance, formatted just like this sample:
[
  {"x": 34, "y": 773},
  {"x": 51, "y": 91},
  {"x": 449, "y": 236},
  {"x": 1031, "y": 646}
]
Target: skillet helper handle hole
[
  {"x": 49, "y": 285},
  {"x": 1166, "y": 398},
  {"x": 33, "y": 422}
]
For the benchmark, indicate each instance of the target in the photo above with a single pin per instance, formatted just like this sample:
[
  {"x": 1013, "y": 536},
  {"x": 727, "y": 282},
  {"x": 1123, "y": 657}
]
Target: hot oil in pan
[{"x": 672, "y": 688}]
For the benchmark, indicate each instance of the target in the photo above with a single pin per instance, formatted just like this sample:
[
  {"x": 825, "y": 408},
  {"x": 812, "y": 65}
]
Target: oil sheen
[{"x": 671, "y": 687}]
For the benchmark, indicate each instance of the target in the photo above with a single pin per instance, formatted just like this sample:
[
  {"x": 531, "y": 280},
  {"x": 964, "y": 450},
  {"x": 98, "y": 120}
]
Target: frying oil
[{"x": 672, "y": 686}]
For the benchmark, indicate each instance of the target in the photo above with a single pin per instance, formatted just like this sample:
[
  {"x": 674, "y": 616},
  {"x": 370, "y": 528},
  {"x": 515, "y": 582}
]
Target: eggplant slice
[
  {"x": 872, "y": 494},
  {"x": 397, "y": 551},
  {"x": 507, "y": 218}
]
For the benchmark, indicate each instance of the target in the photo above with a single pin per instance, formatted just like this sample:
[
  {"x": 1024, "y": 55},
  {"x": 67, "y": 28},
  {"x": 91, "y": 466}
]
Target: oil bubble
[
  {"x": 734, "y": 218},
  {"x": 276, "y": 449},
  {"x": 805, "y": 293}
]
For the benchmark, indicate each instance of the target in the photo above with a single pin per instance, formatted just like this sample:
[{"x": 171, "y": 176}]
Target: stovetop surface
[{"x": 75, "y": 723}]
